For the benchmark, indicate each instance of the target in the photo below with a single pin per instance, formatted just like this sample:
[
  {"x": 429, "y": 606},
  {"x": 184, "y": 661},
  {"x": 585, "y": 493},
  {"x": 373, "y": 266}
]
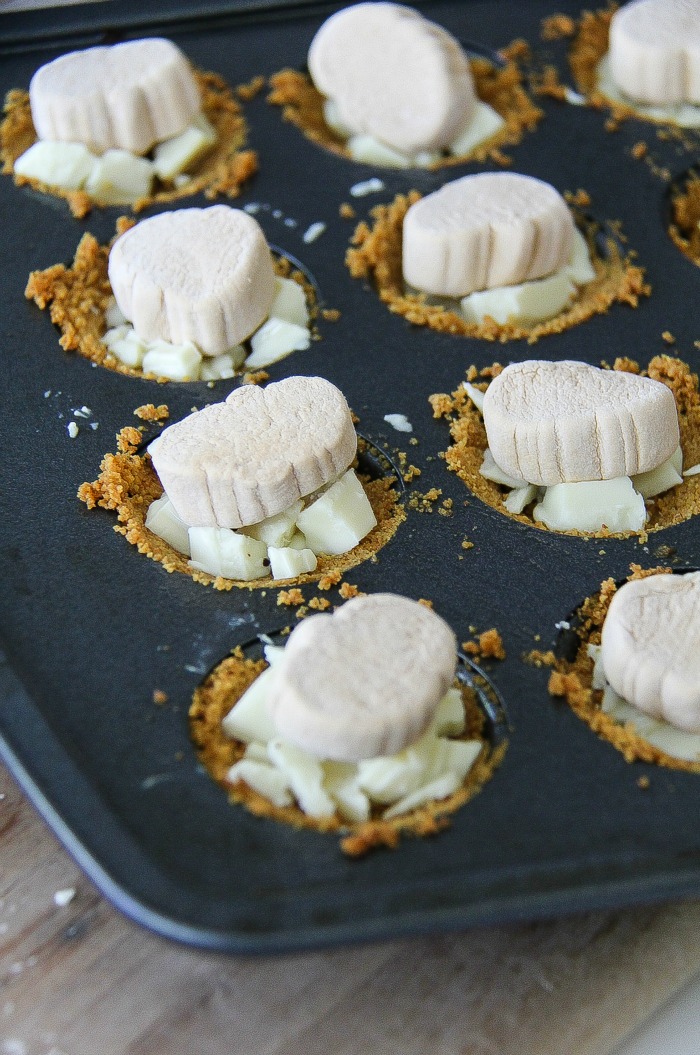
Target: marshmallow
[
  {"x": 484, "y": 231},
  {"x": 654, "y": 51},
  {"x": 393, "y": 75},
  {"x": 364, "y": 681},
  {"x": 238, "y": 462},
  {"x": 651, "y": 647},
  {"x": 128, "y": 96},
  {"x": 199, "y": 275},
  {"x": 551, "y": 423}
]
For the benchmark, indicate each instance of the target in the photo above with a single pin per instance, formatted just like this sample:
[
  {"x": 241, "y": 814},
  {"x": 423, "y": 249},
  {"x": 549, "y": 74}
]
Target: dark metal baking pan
[{"x": 91, "y": 628}]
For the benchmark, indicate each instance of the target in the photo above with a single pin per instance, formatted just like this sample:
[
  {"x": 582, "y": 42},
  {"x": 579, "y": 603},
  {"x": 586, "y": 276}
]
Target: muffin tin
[{"x": 91, "y": 628}]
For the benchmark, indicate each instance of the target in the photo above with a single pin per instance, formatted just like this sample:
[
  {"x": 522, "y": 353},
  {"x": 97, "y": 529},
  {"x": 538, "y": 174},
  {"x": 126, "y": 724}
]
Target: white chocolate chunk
[
  {"x": 241, "y": 461},
  {"x": 519, "y": 498},
  {"x": 651, "y": 647},
  {"x": 289, "y": 302},
  {"x": 440, "y": 788},
  {"x": 119, "y": 178},
  {"x": 341, "y": 784},
  {"x": 528, "y": 302},
  {"x": 128, "y": 96},
  {"x": 591, "y": 506},
  {"x": 248, "y": 719},
  {"x": 483, "y": 123},
  {"x": 567, "y": 422},
  {"x": 490, "y": 470},
  {"x": 199, "y": 275},
  {"x": 174, "y": 156},
  {"x": 580, "y": 268},
  {"x": 266, "y": 779},
  {"x": 486, "y": 230},
  {"x": 277, "y": 530},
  {"x": 164, "y": 522},
  {"x": 177, "y": 362},
  {"x": 370, "y": 151},
  {"x": 286, "y": 562},
  {"x": 218, "y": 367},
  {"x": 339, "y": 519},
  {"x": 114, "y": 316},
  {"x": 221, "y": 551},
  {"x": 64, "y": 165},
  {"x": 275, "y": 340},
  {"x": 663, "y": 478},
  {"x": 305, "y": 776},
  {"x": 331, "y": 115},
  {"x": 655, "y": 51},
  {"x": 449, "y": 717},
  {"x": 364, "y": 681},
  {"x": 393, "y": 75},
  {"x": 123, "y": 343}
]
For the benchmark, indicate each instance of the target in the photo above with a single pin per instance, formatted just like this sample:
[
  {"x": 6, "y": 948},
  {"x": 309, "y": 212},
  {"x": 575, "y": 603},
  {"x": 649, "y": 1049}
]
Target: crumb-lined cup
[
  {"x": 362, "y": 724},
  {"x": 191, "y": 295},
  {"x": 390, "y": 88},
  {"x": 626, "y": 663},
  {"x": 260, "y": 488},
  {"x": 573, "y": 448},
  {"x": 495, "y": 255},
  {"x": 127, "y": 124}
]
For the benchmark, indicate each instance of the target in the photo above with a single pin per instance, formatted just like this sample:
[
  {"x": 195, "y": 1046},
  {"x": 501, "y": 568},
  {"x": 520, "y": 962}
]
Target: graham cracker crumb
[
  {"x": 685, "y": 224},
  {"x": 149, "y": 412},
  {"x": 644, "y": 783},
  {"x": 326, "y": 582},
  {"x": 255, "y": 377},
  {"x": 347, "y": 591},
  {"x": 425, "y": 602},
  {"x": 488, "y": 645},
  {"x": 320, "y": 604},
  {"x": 253, "y": 87},
  {"x": 346, "y": 211},
  {"x": 330, "y": 314},
  {"x": 290, "y": 597},
  {"x": 668, "y": 337},
  {"x": 639, "y": 150},
  {"x": 557, "y": 27},
  {"x": 159, "y": 697}
]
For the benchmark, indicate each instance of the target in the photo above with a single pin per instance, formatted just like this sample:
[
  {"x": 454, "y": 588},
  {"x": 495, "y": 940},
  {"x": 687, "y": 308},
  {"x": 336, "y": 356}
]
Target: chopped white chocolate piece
[
  {"x": 286, "y": 562},
  {"x": 221, "y": 551},
  {"x": 580, "y": 268},
  {"x": 370, "y": 151},
  {"x": 566, "y": 422},
  {"x": 663, "y": 478},
  {"x": 114, "y": 316},
  {"x": 364, "y": 681},
  {"x": 399, "y": 422},
  {"x": 483, "y": 123},
  {"x": 219, "y": 367},
  {"x": 655, "y": 51},
  {"x": 266, "y": 779},
  {"x": 591, "y": 506},
  {"x": 449, "y": 716},
  {"x": 393, "y": 75},
  {"x": 342, "y": 786},
  {"x": 289, "y": 302},
  {"x": 119, "y": 178},
  {"x": 529, "y": 302},
  {"x": 248, "y": 719},
  {"x": 173, "y": 156},
  {"x": 651, "y": 647},
  {"x": 440, "y": 788},
  {"x": 123, "y": 343},
  {"x": 178, "y": 362},
  {"x": 199, "y": 275},
  {"x": 475, "y": 394},
  {"x": 331, "y": 115},
  {"x": 485, "y": 230},
  {"x": 339, "y": 519},
  {"x": 277, "y": 530},
  {"x": 519, "y": 498},
  {"x": 164, "y": 522},
  {"x": 275, "y": 340},
  {"x": 63, "y": 165},
  {"x": 492, "y": 471},
  {"x": 128, "y": 96},
  {"x": 250, "y": 457},
  {"x": 305, "y": 776}
]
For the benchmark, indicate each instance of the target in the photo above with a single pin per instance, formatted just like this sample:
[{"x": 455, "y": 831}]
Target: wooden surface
[{"x": 81, "y": 980}]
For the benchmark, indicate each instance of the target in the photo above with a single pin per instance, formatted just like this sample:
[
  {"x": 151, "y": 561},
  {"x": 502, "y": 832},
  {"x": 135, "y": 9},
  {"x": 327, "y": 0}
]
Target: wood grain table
[{"x": 79, "y": 979}]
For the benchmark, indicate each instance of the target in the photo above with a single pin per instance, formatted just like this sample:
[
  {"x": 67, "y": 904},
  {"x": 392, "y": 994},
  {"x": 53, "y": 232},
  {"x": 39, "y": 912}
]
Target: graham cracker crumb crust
[
  {"x": 500, "y": 87},
  {"x": 222, "y": 170},
  {"x": 78, "y": 295},
  {"x": 573, "y": 680},
  {"x": 215, "y": 697},
  {"x": 465, "y": 455},
  {"x": 128, "y": 484},
  {"x": 376, "y": 255},
  {"x": 684, "y": 228}
]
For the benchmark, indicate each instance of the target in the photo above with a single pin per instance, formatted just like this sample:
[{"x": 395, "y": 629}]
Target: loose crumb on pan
[
  {"x": 573, "y": 681},
  {"x": 500, "y": 87},
  {"x": 214, "y": 698},
  {"x": 464, "y": 457},
  {"x": 223, "y": 170},
  {"x": 128, "y": 483},
  {"x": 684, "y": 228},
  {"x": 488, "y": 645},
  {"x": 376, "y": 255},
  {"x": 149, "y": 412},
  {"x": 78, "y": 296}
]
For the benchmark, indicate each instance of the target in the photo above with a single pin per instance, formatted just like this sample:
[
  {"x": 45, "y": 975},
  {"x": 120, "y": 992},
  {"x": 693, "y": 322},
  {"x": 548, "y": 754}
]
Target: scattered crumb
[
  {"x": 426, "y": 603},
  {"x": 290, "y": 597},
  {"x": 488, "y": 645},
  {"x": 466, "y": 544},
  {"x": 368, "y": 186},
  {"x": 314, "y": 231},
  {"x": 73, "y": 429},
  {"x": 643, "y": 783},
  {"x": 326, "y": 582},
  {"x": 159, "y": 697},
  {"x": 639, "y": 150},
  {"x": 248, "y": 91},
  {"x": 346, "y": 211},
  {"x": 320, "y": 604},
  {"x": 557, "y": 27},
  {"x": 668, "y": 338},
  {"x": 255, "y": 377},
  {"x": 330, "y": 314},
  {"x": 149, "y": 412},
  {"x": 347, "y": 591}
]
